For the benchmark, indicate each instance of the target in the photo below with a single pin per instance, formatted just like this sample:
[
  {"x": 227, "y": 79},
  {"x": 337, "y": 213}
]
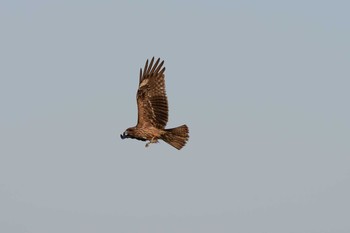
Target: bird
[{"x": 152, "y": 106}]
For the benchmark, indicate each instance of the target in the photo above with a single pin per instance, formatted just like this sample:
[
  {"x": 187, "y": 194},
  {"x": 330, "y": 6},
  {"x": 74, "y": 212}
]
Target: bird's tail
[{"x": 177, "y": 137}]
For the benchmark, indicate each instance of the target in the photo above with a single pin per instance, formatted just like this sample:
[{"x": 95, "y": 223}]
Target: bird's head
[{"x": 128, "y": 133}]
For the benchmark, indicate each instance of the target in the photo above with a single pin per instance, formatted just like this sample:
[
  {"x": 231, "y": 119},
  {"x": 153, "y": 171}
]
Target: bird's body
[{"x": 152, "y": 105}]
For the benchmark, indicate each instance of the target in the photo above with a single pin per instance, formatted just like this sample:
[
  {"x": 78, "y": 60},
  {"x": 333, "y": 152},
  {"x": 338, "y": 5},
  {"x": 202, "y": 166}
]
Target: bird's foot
[{"x": 153, "y": 140}]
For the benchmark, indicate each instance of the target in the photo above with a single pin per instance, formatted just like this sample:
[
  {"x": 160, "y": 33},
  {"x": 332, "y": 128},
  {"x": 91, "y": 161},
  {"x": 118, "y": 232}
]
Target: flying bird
[{"x": 152, "y": 106}]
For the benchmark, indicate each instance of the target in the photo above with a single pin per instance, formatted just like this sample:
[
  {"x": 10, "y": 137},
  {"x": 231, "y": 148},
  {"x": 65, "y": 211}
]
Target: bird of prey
[{"x": 152, "y": 106}]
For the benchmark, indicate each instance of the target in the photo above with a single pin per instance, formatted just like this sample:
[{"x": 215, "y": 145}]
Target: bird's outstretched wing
[{"x": 151, "y": 97}]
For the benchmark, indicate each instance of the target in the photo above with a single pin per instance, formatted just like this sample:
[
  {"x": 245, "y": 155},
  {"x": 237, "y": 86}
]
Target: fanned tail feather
[{"x": 177, "y": 137}]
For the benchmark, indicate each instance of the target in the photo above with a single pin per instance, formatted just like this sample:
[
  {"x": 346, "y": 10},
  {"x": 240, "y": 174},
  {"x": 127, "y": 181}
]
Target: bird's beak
[{"x": 123, "y": 136}]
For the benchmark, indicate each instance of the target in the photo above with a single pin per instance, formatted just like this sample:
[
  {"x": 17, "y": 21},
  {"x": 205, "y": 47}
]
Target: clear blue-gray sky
[{"x": 263, "y": 86}]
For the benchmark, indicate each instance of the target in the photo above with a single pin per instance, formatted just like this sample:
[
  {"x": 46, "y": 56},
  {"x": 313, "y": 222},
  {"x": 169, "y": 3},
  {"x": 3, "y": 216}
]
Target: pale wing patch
[{"x": 143, "y": 83}]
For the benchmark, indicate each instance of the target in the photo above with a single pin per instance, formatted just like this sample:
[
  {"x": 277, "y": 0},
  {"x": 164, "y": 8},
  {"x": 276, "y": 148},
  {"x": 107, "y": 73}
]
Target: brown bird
[{"x": 152, "y": 105}]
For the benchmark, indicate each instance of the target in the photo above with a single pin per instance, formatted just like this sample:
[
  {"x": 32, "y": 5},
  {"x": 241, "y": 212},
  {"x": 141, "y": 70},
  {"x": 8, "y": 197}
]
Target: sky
[{"x": 262, "y": 85}]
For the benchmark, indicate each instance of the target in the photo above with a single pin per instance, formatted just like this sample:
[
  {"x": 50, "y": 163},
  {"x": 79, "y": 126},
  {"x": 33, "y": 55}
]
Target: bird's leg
[{"x": 153, "y": 140}]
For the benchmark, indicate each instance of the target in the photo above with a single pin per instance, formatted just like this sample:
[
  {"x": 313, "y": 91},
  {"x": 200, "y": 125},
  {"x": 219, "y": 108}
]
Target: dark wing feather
[{"x": 151, "y": 97}]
